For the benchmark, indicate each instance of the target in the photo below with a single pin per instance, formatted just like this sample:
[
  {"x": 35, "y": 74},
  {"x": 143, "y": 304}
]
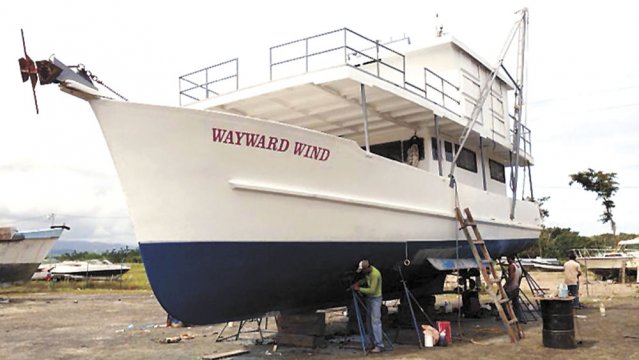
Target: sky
[{"x": 583, "y": 89}]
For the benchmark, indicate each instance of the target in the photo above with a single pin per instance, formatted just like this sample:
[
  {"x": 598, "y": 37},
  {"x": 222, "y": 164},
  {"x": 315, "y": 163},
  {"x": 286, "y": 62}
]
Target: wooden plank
[
  {"x": 300, "y": 340},
  {"x": 225, "y": 354}
]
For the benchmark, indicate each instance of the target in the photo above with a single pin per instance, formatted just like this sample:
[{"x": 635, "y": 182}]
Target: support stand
[
  {"x": 357, "y": 302},
  {"x": 243, "y": 323},
  {"x": 410, "y": 298}
]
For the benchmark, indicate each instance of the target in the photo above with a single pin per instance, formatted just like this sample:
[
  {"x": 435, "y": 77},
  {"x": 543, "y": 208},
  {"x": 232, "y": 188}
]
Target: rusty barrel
[{"x": 559, "y": 325}]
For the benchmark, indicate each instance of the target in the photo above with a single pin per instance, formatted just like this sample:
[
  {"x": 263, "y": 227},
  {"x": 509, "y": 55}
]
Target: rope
[{"x": 459, "y": 299}]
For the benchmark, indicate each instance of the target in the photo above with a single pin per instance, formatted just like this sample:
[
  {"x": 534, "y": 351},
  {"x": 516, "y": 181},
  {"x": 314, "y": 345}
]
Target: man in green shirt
[{"x": 373, "y": 293}]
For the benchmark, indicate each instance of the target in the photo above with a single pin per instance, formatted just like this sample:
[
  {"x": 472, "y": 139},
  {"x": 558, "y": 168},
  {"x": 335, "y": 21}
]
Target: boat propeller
[
  {"x": 54, "y": 71},
  {"x": 29, "y": 71}
]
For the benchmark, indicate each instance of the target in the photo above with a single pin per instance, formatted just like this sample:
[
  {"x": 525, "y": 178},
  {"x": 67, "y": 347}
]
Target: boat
[
  {"x": 547, "y": 264},
  {"x": 537, "y": 263},
  {"x": 607, "y": 262},
  {"x": 265, "y": 197},
  {"x": 627, "y": 247},
  {"x": 22, "y": 251},
  {"x": 79, "y": 270}
]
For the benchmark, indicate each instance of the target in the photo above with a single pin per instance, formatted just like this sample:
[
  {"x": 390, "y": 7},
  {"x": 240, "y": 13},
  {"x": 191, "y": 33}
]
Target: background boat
[{"x": 22, "y": 251}]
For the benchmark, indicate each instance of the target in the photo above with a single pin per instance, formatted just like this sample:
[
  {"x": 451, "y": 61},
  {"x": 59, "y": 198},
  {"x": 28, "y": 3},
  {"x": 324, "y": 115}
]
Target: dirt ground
[{"x": 130, "y": 325}]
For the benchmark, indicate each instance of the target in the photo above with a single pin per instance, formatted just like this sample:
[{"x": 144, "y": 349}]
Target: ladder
[{"x": 483, "y": 259}]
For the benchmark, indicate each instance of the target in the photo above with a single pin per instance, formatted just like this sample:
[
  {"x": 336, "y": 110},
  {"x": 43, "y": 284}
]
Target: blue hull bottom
[{"x": 213, "y": 282}]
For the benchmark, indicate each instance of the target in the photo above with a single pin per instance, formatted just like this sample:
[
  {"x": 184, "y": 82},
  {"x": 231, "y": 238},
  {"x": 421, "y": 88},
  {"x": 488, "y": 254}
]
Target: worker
[
  {"x": 512, "y": 287},
  {"x": 371, "y": 287},
  {"x": 572, "y": 272}
]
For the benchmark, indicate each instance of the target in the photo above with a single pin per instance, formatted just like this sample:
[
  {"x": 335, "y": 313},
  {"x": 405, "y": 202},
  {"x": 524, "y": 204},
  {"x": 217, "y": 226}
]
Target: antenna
[{"x": 439, "y": 26}]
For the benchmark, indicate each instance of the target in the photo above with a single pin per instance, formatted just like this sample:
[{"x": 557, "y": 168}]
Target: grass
[{"x": 134, "y": 280}]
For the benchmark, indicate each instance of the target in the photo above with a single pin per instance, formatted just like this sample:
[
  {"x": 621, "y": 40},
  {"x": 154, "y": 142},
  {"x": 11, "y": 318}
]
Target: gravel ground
[{"x": 125, "y": 325}]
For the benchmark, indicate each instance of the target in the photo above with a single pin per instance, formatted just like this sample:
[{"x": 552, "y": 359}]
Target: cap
[{"x": 362, "y": 265}]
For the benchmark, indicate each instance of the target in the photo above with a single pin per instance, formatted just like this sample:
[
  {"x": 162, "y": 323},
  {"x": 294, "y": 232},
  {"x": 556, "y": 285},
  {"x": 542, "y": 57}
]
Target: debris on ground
[
  {"x": 171, "y": 340},
  {"x": 225, "y": 354}
]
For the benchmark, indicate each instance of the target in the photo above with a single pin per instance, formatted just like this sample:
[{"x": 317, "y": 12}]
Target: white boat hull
[{"x": 20, "y": 257}]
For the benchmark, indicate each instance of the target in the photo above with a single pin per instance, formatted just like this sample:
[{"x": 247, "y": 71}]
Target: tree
[{"x": 605, "y": 186}]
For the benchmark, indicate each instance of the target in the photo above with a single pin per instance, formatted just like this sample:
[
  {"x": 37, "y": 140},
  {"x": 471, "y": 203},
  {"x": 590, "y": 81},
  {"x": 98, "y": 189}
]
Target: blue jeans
[
  {"x": 573, "y": 290},
  {"x": 374, "y": 320}
]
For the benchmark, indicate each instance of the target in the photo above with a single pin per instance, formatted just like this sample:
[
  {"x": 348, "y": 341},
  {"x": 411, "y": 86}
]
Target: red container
[{"x": 445, "y": 326}]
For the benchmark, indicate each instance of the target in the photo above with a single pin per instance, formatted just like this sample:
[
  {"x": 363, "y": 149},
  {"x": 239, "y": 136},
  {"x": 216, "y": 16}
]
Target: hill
[{"x": 68, "y": 246}]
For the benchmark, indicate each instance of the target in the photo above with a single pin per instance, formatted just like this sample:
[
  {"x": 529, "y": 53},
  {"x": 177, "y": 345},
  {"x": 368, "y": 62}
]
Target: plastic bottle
[
  {"x": 562, "y": 290},
  {"x": 448, "y": 307},
  {"x": 602, "y": 309},
  {"x": 442, "y": 339},
  {"x": 428, "y": 339}
]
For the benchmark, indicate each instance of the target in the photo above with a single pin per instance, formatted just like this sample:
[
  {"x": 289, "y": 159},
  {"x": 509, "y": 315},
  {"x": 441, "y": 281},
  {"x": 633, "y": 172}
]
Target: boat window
[
  {"x": 467, "y": 159},
  {"x": 390, "y": 150},
  {"x": 399, "y": 150},
  {"x": 433, "y": 145},
  {"x": 448, "y": 150},
  {"x": 497, "y": 171}
]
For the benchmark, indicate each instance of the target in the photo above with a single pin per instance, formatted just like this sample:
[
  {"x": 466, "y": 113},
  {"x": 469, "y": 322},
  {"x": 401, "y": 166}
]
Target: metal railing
[
  {"x": 337, "y": 47},
  {"x": 525, "y": 143},
  {"x": 213, "y": 80},
  {"x": 342, "y": 46},
  {"x": 437, "y": 89}
]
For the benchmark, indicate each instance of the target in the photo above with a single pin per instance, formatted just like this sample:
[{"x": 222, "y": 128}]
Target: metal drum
[{"x": 559, "y": 325}]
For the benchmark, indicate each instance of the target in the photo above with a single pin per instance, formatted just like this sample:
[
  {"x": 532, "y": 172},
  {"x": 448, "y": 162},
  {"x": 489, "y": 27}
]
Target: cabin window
[
  {"x": 390, "y": 150},
  {"x": 433, "y": 145},
  {"x": 467, "y": 159},
  {"x": 448, "y": 150},
  {"x": 497, "y": 171},
  {"x": 398, "y": 150}
]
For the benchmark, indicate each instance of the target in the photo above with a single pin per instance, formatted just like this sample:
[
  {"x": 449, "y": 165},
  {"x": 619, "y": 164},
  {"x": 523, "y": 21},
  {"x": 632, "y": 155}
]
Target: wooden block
[
  {"x": 306, "y": 324},
  {"x": 300, "y": 340},
  {"x": 225, "y": 354}
]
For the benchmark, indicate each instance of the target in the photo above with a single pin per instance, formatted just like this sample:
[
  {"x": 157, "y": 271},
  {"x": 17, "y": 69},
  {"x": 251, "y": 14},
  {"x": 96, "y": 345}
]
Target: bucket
[
  {"x": 428, "y": 339},
  {"x": 444, "y": 326},
  {"x": 559, "y": 326}
]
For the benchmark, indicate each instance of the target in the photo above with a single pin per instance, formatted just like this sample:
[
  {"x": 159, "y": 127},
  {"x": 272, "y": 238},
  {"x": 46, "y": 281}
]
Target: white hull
[
  {"x": 181, "y": 185},
  {"x": 20, "y": 257}
]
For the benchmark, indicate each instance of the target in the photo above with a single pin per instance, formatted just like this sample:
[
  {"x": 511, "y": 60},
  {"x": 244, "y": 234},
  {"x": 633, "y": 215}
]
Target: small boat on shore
[
  {"x": 22, "y": 251},
  {"x": 606, "y": 263},
  {"x": 79, "y": 270},
  {"x": 545, "y": 264}
]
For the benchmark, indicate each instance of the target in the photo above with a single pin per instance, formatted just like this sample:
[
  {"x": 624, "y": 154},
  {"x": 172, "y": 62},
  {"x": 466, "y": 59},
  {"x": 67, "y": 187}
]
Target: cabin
[{"x": 409, "y": 103}]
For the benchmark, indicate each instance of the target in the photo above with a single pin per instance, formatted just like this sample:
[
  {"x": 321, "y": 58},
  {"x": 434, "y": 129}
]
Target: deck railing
[
  {"x": 525, "y": 141},
  {"x": 212, "y": 80},
  {"x": 333, "y": 48},
  {"x": 342, "y": 46}
]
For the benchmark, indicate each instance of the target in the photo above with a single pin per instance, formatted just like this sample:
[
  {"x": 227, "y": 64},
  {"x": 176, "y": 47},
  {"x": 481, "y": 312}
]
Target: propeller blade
[
  {"x": 29, "y": 71},
  {"x": 24, "y": 66}
]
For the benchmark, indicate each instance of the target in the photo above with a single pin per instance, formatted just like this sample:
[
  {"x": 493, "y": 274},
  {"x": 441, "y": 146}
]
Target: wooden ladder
[{"x": 483, "y": 259}]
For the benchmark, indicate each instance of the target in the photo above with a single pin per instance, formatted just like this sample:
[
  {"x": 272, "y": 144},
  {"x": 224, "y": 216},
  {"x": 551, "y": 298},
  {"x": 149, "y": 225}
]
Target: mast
[{"x": 519, "y": 106}]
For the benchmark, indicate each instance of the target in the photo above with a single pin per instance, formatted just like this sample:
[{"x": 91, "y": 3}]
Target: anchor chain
[{"x": 82, "y": 69}]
